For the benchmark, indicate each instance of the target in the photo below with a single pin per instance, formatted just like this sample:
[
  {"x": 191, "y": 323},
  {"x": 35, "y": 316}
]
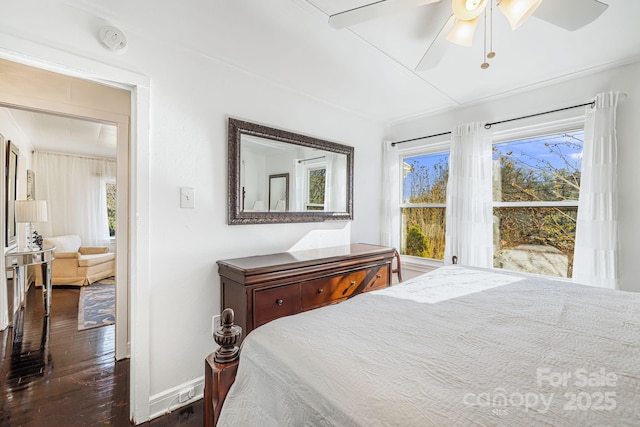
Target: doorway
[
  {"x": 137, "y": 268},
  {"x": 34, "y": 89}
]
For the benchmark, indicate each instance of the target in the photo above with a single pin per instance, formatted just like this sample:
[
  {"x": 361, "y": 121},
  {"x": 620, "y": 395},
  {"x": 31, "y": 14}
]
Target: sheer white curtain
[
  {"x": 340, "y": 183},
  {"x": 297, "y": 203},
  {"x": 335, "y": 183},
  {"x": 390, "y": 221},
  {"x": 596, "y": 250},
  {"x": 469, "y": 229},
  {"x": 74, "y": 188}
]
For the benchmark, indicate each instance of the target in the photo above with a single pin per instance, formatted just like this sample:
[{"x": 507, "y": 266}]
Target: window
[
  {"x": 424, "y": 192},
  {"x": 111, "y": 207},
  {"x": 536, "y": 183},
  {"x": 316, "y": 181}
]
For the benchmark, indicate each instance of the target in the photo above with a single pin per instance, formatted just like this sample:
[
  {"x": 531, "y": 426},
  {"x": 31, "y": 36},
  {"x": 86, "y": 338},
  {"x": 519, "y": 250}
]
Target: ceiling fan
[{"x": 460, "y": 27}]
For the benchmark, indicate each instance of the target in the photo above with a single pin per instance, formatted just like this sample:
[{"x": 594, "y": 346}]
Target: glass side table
[{"x": 19, "y": 259}]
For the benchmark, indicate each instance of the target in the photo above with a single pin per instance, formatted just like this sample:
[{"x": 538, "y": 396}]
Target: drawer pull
[
  {"x": 353, "y": 283},
  {"x": 279, "y": 302},
  {"x": 321, "y": 291},
  {"x": 378, "y": 276}
]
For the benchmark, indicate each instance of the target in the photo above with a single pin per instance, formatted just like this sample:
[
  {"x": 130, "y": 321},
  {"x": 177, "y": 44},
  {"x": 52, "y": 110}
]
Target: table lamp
[{"x": 30, "y": 211}]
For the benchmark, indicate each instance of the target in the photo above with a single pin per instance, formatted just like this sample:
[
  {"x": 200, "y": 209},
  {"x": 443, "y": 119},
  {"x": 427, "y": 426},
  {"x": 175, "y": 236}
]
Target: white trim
[
  {"x": 437, "y": 145},
  {"x": 37, "y": 55},
  {"x": 537, "y": 204},
  {"x": 169, "y": 400},
  {"x": 423, "y": 205},
  {"x": 419, "y": 261},
  {"x": 540, "y": 128},
  {"x": 420, "y": 265}
]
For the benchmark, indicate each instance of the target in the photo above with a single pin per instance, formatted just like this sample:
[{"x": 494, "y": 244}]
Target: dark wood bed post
[{"x": 220, "y": 367}]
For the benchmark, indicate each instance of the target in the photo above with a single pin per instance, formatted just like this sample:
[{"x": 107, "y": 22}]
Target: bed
[{"x": 456, "y": 346}]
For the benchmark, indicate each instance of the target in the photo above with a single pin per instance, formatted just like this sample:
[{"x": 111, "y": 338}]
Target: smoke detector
[{"x": 112, "y": 38}]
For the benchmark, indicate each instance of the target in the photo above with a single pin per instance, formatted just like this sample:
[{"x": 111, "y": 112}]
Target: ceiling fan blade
[
  {"x": 373, "y": 11},
  {"x": 436, "y": 49},
  {"x": 570, "y": 14}
]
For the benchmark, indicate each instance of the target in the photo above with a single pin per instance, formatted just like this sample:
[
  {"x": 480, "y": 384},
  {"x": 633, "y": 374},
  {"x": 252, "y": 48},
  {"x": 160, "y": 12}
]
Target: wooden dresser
[{"x": 262, "y": 288}]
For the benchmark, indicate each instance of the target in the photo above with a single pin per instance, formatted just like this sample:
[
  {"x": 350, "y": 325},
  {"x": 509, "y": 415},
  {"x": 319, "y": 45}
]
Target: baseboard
[{"x": 169, "y": 400}]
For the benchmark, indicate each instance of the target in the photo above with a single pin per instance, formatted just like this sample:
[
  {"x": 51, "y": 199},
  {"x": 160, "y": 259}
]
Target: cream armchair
[{"x": 77, "y": 265}]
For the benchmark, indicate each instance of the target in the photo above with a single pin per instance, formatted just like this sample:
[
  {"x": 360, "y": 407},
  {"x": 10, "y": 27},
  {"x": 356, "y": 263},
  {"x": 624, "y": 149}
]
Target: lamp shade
[
  {"x": 31, "y": 210},
  {"x": 517, "y": 11},
  {"x": 281, "y": 205},
  {"x": 462, "y": 32}
]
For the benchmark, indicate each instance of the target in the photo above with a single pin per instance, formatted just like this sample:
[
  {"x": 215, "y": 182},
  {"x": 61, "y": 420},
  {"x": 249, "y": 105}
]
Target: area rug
[{"x": 96, "y": 306}]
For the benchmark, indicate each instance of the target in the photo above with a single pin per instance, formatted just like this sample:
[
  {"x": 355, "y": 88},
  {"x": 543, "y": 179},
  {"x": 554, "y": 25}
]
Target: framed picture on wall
[
  {"x": 31, "y": 185},
  {"x": 12, "y": 182}
]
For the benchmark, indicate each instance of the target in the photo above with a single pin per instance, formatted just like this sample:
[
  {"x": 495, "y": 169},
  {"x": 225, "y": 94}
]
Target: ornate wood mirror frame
[{"x": 240, "y": 131}]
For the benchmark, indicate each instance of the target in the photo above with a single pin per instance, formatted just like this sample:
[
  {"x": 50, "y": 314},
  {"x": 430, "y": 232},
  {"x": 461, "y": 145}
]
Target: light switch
[{"x": 187, "y": 197}]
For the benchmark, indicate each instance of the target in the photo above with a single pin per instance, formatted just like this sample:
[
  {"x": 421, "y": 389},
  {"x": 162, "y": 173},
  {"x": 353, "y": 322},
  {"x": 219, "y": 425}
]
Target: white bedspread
[{"x": 457, "y": 346}]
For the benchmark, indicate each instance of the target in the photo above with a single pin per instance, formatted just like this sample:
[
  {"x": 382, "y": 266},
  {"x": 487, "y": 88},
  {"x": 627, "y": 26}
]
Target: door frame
[{"x": 137, "y": 306}]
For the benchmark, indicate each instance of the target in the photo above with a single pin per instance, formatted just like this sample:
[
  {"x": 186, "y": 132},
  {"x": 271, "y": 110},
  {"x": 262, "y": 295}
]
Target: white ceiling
[
  {"x": 51, "y": 133},
  {"x": 367, "y": 69}
]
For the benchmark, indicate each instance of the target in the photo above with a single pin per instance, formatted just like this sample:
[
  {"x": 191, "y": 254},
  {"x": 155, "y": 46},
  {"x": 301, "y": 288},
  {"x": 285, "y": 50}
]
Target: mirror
[
  {"x": 11, "y": 193},
  {"x": 277, "y": 176}
]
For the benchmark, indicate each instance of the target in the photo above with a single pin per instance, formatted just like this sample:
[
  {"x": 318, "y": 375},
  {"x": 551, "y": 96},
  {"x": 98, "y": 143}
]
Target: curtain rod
[
  {"x": 80, "y": 156},
  {"x": 308, "y": 160},
  {"x": 488, "y": 125}
]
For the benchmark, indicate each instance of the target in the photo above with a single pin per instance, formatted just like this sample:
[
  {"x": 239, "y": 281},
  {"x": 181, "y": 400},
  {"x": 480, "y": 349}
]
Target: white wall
[
  {"x": 11, "y": 133},
  {"x": 190, "y": 104},
  {"x": 191, "y": 97},
  {"x": 571, "y": 92}
]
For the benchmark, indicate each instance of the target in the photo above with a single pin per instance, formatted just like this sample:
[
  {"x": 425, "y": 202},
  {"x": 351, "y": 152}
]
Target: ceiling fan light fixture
[
  {"x": 463, "y": 31},
  {"x": 517, "y": 11},
  {"x": 467, "y": 10}
]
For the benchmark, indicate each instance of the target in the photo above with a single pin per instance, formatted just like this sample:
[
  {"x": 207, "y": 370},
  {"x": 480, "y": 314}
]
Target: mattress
[{"x": 457, "y": 346}]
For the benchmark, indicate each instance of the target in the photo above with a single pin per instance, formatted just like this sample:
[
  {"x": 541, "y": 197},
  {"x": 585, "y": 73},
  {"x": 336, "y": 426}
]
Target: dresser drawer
[
  {"x": 269, "y": 304},
  {"x": 326, "y": 290},
  {"x": 377, "y": 278}
]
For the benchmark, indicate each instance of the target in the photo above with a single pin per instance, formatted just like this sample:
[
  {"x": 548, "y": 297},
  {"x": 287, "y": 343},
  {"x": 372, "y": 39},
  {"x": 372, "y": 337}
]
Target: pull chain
[
  {"x": 485, "y": 64},
  {"x": 491, "y": 53}
]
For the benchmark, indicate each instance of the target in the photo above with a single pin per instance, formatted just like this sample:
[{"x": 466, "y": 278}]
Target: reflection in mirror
[
  {"x": 279, "y": 176},
  {"x": 319, "y": 176},
  {"x": 11, "y": 192},
  {"x": 279, "y": 192}
]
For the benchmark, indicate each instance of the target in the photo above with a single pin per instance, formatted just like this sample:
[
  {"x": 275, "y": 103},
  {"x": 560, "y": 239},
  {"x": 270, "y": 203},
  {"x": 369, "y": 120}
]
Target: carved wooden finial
[{"x": 227, "y": 335}]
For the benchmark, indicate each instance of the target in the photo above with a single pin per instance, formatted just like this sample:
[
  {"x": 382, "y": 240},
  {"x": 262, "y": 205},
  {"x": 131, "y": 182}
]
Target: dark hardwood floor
[{"x": 55, "y": 375}]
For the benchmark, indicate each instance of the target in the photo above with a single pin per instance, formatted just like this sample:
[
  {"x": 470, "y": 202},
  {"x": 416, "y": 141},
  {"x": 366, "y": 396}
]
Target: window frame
[
  {"x": 571, "y": 124},
  {"x": 106, "y": 183},
  {"x": 536, "y": 131},
  {"x": 308, "y": 169},
  {"x": 529, "y": 129},
  {"x": 438, "y": 147}
]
